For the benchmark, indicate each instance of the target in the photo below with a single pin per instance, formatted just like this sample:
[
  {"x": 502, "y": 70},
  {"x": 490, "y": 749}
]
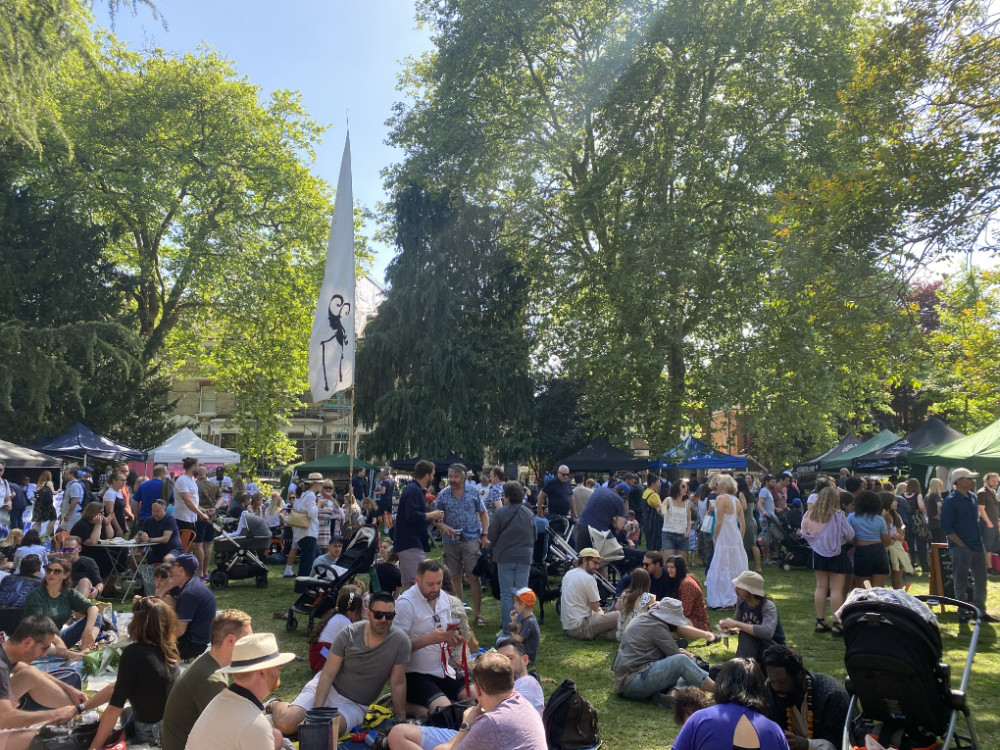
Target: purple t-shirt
[
  {"x": 513, "y": 725},
  {"x": 713, "y": 728}
]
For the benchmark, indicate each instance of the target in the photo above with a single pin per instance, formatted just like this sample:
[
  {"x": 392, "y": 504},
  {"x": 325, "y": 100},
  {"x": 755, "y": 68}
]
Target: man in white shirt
[
  {"x": 424, "y": 614},
  {"x": 69, "y": 507},
  {"x": 187, "y": 511},
  {"x": 580, "y": 607}
]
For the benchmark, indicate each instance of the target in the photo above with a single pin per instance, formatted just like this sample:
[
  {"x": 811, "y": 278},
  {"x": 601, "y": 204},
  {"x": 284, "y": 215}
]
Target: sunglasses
[
  {"x": 383, "y": 615},
  {"x": 57, "y": 571},
  {"x": 68, "y": 549}
]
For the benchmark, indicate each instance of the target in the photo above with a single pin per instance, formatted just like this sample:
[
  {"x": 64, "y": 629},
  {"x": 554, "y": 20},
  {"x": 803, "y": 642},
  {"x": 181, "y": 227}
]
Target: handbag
[{"x": 297, "y": 518}]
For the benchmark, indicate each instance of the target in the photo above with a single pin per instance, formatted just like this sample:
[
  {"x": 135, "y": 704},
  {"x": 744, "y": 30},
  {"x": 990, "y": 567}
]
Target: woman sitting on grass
[
  {"x": 57, "y": 600},
  {"x": 737, "y": 719},
  {"x": 683, "y": 586},
  {"x": 635, "y": 599},
  {"x": 350, "y": 608}
]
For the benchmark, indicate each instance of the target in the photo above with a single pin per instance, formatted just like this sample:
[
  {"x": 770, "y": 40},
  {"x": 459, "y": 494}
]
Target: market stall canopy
[
  {"x": 440, "y": 464},
  {"x": 849, "y": 442},
  {"x": 80, "y": 440},
  {"x": 896, "y": 455},
  {"x": 979, "y": 451},
  {"x": 187, "y": 444},
  {"x": 693, "y": 454},
  {"x": 18, "y": 457},
  {"x": 601, "y": 455},
  {"x": 843, "y": 460},
  {"x": 333, "y": 462}
]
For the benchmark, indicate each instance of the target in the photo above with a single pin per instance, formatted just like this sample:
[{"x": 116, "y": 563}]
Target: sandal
[
  {"x": 480, "y": 622},
  {"x": 837, "y": 630},
  {"x": 822, "y": 627}
]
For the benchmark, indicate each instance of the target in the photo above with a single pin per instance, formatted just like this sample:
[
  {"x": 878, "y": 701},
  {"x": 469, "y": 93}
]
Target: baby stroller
[
  {"x": 238, "y": 558},
  {"x": 321, "y": 596},
  {"x": 795, "y": 551},
  {"x": 565, "y": 557},
  {"x": 895, "y": 671}
]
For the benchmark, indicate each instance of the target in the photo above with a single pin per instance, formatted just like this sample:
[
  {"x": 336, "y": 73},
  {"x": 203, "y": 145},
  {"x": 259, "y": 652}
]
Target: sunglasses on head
[{"x": 383, "y": 615}]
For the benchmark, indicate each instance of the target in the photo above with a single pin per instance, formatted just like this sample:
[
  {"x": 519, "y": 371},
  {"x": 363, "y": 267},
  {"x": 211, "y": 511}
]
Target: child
[
  {"x": 523, "y": 625},
  {"x": 631, "y": 528}
]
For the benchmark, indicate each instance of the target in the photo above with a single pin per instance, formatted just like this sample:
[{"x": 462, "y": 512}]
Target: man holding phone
[{"x": 425, "y": 616}]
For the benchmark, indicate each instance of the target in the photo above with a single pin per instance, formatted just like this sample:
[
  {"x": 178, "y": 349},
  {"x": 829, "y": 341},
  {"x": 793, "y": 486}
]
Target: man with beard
[
  {"x": 810, "y": 707},
  {"x": 362, "y": 657},
  {"x": 235, "y": 720},
  {"x": 425, "y": 616}
]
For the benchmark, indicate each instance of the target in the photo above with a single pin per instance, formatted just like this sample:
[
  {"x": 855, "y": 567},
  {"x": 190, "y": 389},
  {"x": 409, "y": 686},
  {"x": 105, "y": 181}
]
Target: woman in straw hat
[{"x": 756, "y": 620}]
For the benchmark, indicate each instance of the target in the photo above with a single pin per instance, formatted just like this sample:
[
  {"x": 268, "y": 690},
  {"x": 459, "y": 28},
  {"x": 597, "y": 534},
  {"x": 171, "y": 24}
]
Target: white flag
[{"x": 331, "y": 346}]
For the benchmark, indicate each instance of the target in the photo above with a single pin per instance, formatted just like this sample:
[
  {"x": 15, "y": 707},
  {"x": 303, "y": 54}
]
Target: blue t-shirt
[
  {"x": 461, "y": 513},
  {"x": 196, "y": 607},
  {"x": 147, "y": 492},
  {"x": 385, "y": 499},
  {"x": 156, "y": 529},
  {"x": 868, "y": 528},
  {"x": 601, "y": 509},
  {"x": 713, "y": 728}
]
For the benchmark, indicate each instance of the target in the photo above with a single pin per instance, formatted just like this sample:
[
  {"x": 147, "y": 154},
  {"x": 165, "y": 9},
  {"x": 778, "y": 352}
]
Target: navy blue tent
[
  {"x": 850, "y": 442},
  {"x": 81, "y": 441},
  {"x": 694, "y": 454}
]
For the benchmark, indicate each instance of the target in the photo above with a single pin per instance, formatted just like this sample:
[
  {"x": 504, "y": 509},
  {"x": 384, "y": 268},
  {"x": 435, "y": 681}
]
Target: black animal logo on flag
[{"x": 336, "y": 311}]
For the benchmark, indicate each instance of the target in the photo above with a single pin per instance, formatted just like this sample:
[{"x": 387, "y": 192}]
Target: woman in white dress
[{"x": 730, "y": 558}]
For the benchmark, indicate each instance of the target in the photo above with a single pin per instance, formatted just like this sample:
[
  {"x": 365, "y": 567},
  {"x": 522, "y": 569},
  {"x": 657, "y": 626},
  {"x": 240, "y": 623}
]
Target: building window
[{"x": 207, "y": 402}]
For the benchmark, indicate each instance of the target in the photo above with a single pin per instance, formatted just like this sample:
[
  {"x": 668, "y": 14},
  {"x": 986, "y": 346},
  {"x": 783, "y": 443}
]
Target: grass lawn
[{"x": 626, "y": 724}]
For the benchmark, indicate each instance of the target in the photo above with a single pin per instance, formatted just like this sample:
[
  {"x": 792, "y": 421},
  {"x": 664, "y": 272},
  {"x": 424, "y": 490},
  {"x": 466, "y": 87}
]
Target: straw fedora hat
[
  {"x": 315, "y": 478},
  {"x": 256, "y": 651}
]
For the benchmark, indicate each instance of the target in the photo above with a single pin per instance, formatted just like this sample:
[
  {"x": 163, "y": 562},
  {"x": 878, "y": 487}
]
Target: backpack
[{"x": 570, "y": 720}]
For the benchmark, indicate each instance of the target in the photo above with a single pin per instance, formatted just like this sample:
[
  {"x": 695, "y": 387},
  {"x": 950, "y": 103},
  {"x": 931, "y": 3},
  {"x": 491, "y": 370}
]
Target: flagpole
[{"x": 350, "y": 444}]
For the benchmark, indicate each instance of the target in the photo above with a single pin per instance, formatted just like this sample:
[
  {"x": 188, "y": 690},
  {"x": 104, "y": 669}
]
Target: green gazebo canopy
[
  {"x": 843, "y": 460},
  {"x": 979, "y": 451},
  {"x": 333, "y": 462}
]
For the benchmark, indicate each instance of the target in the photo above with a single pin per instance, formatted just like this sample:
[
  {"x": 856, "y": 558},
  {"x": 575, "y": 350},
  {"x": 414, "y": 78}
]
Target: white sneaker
[{"x": 288, "y": 572}]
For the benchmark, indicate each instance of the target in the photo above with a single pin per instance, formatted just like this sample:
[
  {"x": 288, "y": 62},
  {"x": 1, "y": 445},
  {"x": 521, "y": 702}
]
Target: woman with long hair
[
  {"x": 676, "y": 536},
  {"x": 681, "y": 585},
  {"x": 31, "y": 544},
  {"x": 705, "y": 508},
  {"x": 737, "y": 719},
  {"x": 350, "y": 608},
  {"x": 146, "y": 673},
  {"x": 749, "y": 522},
  {"x": 635, "y": 599},
  {"x": 871, "y": 539},
  {"x": 935, "y": 493},
  {"x": 899, "y": 560},
  {"x": 825, "y": 528},
  {"x": 729, "y": 558},
  {"x": 918, "y": 514},
  {"x": 43, "y": 514},
  {"x": 58, "y": 600}
]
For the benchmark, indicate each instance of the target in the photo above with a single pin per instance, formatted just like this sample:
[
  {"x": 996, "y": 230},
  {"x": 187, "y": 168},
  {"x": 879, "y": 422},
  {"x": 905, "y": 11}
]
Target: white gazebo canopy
[{"x": 186, "y": 443}]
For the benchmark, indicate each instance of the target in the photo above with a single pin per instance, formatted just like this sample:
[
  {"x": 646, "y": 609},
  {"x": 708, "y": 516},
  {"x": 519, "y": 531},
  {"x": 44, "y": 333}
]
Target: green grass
[{"x": 626, "y": 725}]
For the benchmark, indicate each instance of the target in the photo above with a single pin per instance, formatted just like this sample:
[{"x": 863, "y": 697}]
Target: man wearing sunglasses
[{"x": 362, "y": 657}]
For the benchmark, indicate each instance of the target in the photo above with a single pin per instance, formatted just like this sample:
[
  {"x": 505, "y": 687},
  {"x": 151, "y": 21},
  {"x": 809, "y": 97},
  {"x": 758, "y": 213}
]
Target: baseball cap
[
  {"x": 963, "y": 473},
  {"x": 527, "y": 596},
  {"x": 188, "y": 562}
]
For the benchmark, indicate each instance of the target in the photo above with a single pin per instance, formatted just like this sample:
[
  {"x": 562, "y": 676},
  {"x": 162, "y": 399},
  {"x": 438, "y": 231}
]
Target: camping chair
[{"x": 187, "y": 539}]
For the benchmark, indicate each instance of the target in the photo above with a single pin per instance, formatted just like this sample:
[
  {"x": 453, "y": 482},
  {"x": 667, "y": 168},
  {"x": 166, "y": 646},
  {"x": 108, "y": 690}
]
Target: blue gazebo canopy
[{"x": 694, "y": 454}]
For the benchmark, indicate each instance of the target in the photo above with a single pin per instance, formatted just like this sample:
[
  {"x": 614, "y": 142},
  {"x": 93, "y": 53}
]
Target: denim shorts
[{"x": 675, "y": 541}]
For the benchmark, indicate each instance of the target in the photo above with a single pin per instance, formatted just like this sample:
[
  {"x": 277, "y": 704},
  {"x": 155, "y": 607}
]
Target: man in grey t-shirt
[{"x": 362, "y": 657}]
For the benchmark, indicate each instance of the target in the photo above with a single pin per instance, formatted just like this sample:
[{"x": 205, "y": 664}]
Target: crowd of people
[{"x": 411, "y": 631}]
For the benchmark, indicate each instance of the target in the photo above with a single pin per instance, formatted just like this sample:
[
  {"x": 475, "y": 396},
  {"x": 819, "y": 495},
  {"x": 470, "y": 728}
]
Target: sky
[{"x": 343, "y": 56}]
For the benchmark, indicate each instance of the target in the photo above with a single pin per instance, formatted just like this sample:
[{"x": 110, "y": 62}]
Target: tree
[
  {"x": 557, "y": 426},
  {"x": 963, "y": 384},
  {"x": 444, "y": 366},
  {"x": 207, "y": 183},
  {"x": 638, "y": 149},
  {"x": 67, "y": 352}
]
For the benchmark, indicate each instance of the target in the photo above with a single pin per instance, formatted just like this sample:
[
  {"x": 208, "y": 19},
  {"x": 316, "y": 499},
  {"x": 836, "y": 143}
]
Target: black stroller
[
  {"x": 895, "y": 672},
  {"x": 238, "y": 558},
  {"x": 795, "y": 551},
  {"x": 321, "y": 596}
]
